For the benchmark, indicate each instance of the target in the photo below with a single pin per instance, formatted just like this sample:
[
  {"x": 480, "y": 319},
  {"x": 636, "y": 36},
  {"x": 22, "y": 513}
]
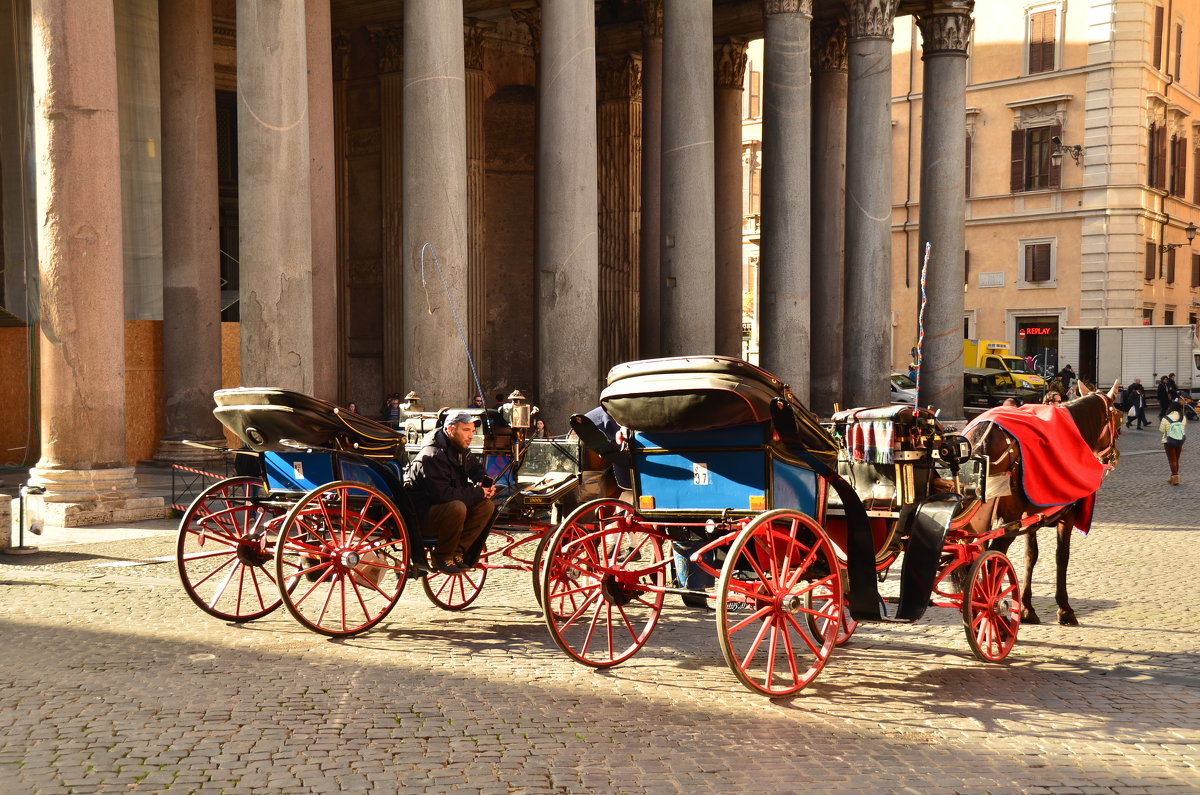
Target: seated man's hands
[{"x": 488, "y": 492}]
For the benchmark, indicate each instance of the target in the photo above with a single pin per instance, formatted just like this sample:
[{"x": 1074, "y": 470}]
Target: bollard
[{"x": 20, "y": 548}]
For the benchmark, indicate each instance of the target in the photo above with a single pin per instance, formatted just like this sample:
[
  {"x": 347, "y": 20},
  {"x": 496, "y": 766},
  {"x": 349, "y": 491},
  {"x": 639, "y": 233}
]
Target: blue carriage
[{"x": 793, "y": 519}]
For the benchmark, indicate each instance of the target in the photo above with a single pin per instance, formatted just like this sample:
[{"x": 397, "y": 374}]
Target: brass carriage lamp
[
  {"x": 519, "y": 409},
  {"x": 412, "y": 403}
]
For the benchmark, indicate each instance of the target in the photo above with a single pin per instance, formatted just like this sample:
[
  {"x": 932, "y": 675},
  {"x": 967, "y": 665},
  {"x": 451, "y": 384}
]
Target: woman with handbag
[{"x": 1174, "y": 433}]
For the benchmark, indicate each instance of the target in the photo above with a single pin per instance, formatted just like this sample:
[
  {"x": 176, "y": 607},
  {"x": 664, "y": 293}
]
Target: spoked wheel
[
  {"x": 538, "y": 558},
  {"x": 456, "y": 591},
  {"x": 602, "y": 583},
  {"x": 225, "y": 541},
  {"x": 818, "y": 602},
  {"x": 779, "y": 603},
  {"x": 991, "y": 608},
  {"x": 344, "y": 554}
]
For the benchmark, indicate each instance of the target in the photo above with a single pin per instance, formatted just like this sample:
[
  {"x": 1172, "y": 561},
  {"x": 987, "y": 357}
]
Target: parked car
[
  {"x": 985, "y": 388},
  {"x": 904, "y": 389}
]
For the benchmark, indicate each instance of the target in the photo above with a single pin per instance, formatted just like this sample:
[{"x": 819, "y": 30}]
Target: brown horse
[{"x": 1099, "y": 425}]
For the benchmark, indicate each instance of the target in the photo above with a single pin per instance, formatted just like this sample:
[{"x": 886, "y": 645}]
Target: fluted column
[
  {"x": 619, "y": 124},
  {"x": 867, "y": 346},
  {"x": 436, "y": 289},
  {"x": 650, "y": 247},
  {"x": 477, "y": 310},
  {"x": 389, "y": 44},
  {"x": 688, "y": 182},
  {"x": 274, "y": 205},
  {"x": 568, "y": 333},
  {"x": 730, "y": 62},
  {"x": 785, "y": 342},
  {"x": 322, "y": 194},
  {"x": 81, "y": 334},
  {"x": 828, "y": 212},
  {"x": 191, "y": 241},
  {"x": 945, "y": 34}
]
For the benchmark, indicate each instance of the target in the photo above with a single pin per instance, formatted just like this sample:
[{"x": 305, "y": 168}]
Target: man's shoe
[
  {"x": 447, "y": 567},
  {"x": 462, "y": 564}
]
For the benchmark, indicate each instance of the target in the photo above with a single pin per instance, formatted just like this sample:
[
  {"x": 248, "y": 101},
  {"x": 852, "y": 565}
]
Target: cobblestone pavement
[{"x": 114, "y": 682}]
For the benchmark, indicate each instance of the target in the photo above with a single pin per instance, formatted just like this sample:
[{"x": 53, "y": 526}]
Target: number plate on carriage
[{"x": 699, "y": 474}]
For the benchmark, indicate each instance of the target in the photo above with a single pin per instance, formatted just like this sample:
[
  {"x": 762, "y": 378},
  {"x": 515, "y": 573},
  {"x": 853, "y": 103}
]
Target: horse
[{"x": 1099, "y": 425}]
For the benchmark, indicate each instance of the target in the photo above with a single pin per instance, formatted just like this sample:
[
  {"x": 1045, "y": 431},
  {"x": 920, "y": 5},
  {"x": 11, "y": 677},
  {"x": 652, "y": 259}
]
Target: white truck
[{"x": 1105, "y": 353}]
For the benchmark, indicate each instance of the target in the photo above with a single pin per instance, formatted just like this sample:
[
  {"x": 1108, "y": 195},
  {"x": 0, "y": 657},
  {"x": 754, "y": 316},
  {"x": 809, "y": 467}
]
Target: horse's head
[{"x": 1098, "y": 422}]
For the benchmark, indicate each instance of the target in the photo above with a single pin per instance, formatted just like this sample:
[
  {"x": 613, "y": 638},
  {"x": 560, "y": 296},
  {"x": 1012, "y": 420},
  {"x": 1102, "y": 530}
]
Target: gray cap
[{"x": 455, "y": 417}]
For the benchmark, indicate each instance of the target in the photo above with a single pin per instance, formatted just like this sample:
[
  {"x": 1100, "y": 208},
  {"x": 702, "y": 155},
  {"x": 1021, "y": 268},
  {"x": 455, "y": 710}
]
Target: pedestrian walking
[
  {"x": 1173, "y": 427},
  {"x": 1067, "y": 376},
  {"x": 1136, "y": 397},
  {"x": 1163, "y": 389}
]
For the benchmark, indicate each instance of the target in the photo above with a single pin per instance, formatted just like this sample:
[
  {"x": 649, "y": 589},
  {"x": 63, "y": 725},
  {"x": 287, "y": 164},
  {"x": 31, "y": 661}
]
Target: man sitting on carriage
[{"x": 451, "y": 492}]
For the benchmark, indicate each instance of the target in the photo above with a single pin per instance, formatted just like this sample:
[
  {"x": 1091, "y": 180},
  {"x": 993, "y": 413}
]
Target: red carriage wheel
[
  {"x": 991, "y": 608},
  {"x": 779, "y": 603},
  {"x": 603, "y": 575},
  {"x": 819, "y": 602},
  {"x": 343, "y": 554},
  {"x": 456, "y": 591},
  {"x": 226, "y": 538}
]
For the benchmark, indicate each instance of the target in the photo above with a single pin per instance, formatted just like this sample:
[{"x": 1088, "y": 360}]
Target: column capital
[
  {"x": 946, "y": 30},
  {"x": 531, "y": 18},
  {"x": 871, "y": 19},
  {"x": 729, "y": 64},
  {"x": 619, "y": 78},
  {"x": 389, "y": 45},
  {"x": 788, "y": 7},
  {"x": 473, "y": 33},
  {"x": 829, "y": 47},
  {"x": 652, "y": 24}
]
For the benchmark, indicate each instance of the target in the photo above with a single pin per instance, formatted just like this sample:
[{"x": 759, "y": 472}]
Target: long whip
[{"x": 921, "y": 318}]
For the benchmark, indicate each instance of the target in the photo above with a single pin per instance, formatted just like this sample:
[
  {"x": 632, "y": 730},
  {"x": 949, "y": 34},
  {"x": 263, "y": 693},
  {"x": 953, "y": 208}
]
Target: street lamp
[
  {"x": 1076, "y": 151},
  {"x": 1189, "y": 230}
]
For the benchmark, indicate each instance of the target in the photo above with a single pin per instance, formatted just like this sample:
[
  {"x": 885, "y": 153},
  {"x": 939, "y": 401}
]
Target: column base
[
  {"x": 82, "y": 497},
  {"x": 172, "y": 451}
]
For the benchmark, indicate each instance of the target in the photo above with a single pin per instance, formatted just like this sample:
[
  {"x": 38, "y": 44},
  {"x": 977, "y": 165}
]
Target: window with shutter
[
  {"x": 1171, "y": 266},
  {"x": 1017, "y": 171},
  {"x": 1157, "y": 161},
  {"x": 967, "y": 176},
  {"x": 1158, "y": 37},
  {"x": 1037, "y": 262},
  {"x": 1195, "y": 270},
  {"x": 1149, "y": 273},
  {"x": 1041, "y": 41},
  {"x": 1178, "y": 165}
]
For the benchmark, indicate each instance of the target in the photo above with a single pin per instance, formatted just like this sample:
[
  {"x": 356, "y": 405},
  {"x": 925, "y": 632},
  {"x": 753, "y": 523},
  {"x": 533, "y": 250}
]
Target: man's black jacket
[{"x": 441, "y": 473}]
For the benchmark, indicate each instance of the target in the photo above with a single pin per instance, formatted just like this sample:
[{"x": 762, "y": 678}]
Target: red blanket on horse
[{"x": 1057, "y": 465}]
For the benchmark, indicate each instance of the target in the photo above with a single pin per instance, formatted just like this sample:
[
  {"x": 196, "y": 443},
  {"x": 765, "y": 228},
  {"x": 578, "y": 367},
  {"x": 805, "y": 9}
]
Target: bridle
[{"x": 1108, "y": 455}]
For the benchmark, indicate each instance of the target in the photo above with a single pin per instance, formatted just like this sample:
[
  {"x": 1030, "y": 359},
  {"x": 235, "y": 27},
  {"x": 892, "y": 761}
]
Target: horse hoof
[
  {"x": 1068, "y": 619},
  {"x": 1030, "y": 617}
]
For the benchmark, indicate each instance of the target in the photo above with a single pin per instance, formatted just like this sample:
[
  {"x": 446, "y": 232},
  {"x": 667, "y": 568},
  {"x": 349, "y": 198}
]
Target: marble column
[
  {"x": 619, "y": 138},
  {"x": 323, "y": 198},
  {"x": 828, "y": 182},
  {"x": 945, "y": 34},
  {"x": 191, "y": 241},
  {"x": 688, "y": 182},
  {"x": 83, "y": 466},
  {"x": 274, "y": 204},
  {"x": 436, "y": 288},
  {"x": 389, "y": 43},
  {"x": 867, "y": 346},
  {"x": 473, "y": 36},
  {"x": 730, "y": 62},
  {"x": 567, "y": 247},
  {"x": 785, "y": 343},
  {"x": 650, "y": 247}
]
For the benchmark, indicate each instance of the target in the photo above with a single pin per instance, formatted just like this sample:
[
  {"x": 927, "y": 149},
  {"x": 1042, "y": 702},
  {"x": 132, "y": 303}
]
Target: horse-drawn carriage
[
  {"x": 317, "y": 519},
  {"x": 797, "y": 519}
]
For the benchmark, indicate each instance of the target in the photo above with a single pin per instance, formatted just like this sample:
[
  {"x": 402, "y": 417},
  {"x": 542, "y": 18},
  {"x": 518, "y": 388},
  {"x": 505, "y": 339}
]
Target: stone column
[
  {"x": 274, "y": 204},
  {"x": 191, "y": 243},
  {"x": 567, "y": 250},
  {"x": 619, "y": 138},
  {"x": 650, "y": 248},
  {"x": 867, "y": 347},
  {"x": 730, "y": 61},
  {"x": 81, "y": 343},
  {"x": 436, "y": 289},
  {"x": 390, "y": 46},
  {"x": 688, "y": 182},
  {"x": 477, "y": 309},
  {"x": 828, "y": 247},
  {"x": 785, "y": 342},
  {"x": 323, "y": 198},
  {"x": 945, "y": 33}
]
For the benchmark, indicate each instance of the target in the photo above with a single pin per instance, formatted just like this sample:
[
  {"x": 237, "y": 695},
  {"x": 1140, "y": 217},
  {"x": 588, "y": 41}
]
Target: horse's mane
[{"x": 1090, "y": 413}]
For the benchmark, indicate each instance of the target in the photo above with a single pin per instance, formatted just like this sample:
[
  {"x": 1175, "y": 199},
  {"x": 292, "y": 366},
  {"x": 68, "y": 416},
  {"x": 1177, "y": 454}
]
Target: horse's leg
[
  {"x": 1065, "y": 614},
  {"x": 1028, "y": 614}
]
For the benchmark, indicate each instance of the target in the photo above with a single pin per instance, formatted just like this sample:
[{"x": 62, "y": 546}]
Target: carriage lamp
[
  {"x": 412, "y": 402},
  {"x": 519, "y": 409}
]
